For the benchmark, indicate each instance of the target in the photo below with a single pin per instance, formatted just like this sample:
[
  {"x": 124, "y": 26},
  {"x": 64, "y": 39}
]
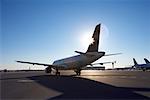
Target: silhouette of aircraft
[
  {"x": 143, "y": 67},
  {"x": 77, "y": 62}
]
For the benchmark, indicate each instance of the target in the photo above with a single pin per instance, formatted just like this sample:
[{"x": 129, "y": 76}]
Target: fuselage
[
  {"x": 143, "y": 66},
  {"x": 78, "y": 61}
]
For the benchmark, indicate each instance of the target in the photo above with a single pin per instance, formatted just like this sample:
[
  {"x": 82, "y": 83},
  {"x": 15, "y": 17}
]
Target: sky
[{"x": 46, "y": 30}]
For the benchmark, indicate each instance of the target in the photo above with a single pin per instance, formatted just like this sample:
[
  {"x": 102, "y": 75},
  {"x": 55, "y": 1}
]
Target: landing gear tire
[
  {"x": 78, "y": 72},
  {"x": 57, "y": 72},
  {"x": 144, "y": 69}
]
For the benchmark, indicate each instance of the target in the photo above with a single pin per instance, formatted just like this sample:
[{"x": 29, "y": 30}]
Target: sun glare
[
  {"x": 104, "y": 36},
  {"x": 86, "y": 36},
  {"x": 86, "y": 39}
]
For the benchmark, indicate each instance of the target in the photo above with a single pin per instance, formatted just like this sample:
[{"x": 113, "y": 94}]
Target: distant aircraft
[
  {"x": 143, "y": 67},
  {"x": 77, "y": 62}
]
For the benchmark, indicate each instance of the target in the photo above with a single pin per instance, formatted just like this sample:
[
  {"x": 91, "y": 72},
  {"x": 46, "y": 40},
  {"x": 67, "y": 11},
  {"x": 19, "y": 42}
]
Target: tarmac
[{"x": 92, "y": 84}]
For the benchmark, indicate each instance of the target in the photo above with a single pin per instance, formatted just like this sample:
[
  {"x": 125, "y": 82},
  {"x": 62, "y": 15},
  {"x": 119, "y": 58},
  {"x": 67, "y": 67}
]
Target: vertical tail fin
[
  {"x": 146, "y": 61},
  {"x": 93, "y": 47},
  {"x": 135, "y": 63}
]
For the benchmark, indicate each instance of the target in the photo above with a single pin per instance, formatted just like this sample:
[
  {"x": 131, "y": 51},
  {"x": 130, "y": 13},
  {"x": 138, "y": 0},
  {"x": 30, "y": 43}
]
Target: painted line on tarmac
[{"x": 25, "y": 81}]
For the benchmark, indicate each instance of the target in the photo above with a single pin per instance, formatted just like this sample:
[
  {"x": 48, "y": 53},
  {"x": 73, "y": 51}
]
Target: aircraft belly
[
  {"x": 71, "y": 63},
  {"x": 82, "y": 62},
  {"x": 74, "y": 65},
  {"x": 74, "y": 62}
]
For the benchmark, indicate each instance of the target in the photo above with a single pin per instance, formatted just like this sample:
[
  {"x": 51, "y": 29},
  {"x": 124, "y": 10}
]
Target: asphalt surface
[{"x": 92, "y": 84}]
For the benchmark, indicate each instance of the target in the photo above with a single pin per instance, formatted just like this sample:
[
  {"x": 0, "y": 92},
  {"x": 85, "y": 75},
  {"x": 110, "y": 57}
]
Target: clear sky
[{"x": 46, "y": 30}]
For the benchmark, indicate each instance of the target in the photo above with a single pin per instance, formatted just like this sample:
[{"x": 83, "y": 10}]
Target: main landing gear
[
  {"x": 78, "y": 72},
  {"x": 144, "y": 69},
  {"x": 49, "y": 70},
  {"x": 57, "y": 72}
]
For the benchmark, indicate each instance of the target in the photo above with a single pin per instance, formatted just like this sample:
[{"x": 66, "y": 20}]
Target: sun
[{"x": 86, "y": 39}]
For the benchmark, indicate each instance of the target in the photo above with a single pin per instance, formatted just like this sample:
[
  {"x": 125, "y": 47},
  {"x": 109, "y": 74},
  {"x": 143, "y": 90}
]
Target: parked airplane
[
  {"x": 143, "y": 67},
  {"x": 77, "y": 62},
  {"x": 147, "y": 62}
]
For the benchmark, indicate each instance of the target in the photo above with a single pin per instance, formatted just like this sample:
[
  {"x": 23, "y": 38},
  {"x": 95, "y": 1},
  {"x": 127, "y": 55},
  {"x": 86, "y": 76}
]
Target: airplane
[
  {"x": 143, "y": 67},
  {"x": 77, "y": 62},
  {"x": 147, "y": 62}
]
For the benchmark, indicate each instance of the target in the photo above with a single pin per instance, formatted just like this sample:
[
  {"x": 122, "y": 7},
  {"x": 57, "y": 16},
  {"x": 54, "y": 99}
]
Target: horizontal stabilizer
[{"x": 80, "y": 52}]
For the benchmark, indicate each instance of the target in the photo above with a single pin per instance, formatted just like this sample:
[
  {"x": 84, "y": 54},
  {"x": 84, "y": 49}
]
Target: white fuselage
[{"x": 78, "y": 61}]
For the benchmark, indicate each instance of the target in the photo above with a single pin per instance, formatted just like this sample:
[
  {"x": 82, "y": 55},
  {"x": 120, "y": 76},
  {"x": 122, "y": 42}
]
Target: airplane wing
[
  {"x": 34, "y": 63},
  {"x": 49, "y": 65},
  {"x": 103, "y": 63},
  {"x": 48, "y": 69},
  {"x": 112, "y": 54}
]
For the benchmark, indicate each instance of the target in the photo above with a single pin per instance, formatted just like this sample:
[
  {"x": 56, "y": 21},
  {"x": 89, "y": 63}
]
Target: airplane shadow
[{"x": 81, "y": 88}]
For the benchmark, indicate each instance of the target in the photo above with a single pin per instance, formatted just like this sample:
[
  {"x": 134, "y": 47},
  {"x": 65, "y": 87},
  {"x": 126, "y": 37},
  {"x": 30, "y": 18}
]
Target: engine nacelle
[{"x": 48, "y": 70}]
